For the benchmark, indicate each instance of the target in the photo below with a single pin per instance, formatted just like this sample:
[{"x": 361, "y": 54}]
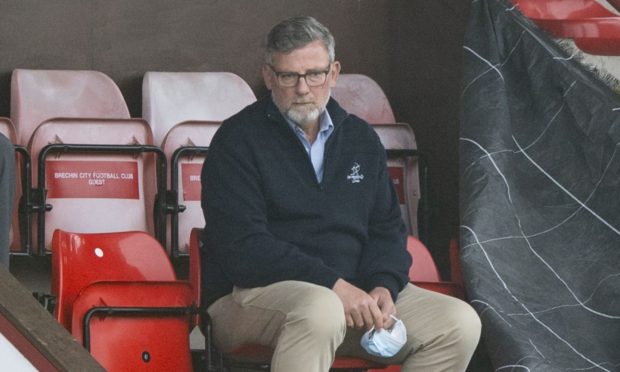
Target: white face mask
[{"x": 385, "y": 342}]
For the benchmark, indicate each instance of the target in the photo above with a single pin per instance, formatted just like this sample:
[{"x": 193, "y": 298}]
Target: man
[
  {"x": 7, "y": 193},
  {"x": 304, "y": 246}
]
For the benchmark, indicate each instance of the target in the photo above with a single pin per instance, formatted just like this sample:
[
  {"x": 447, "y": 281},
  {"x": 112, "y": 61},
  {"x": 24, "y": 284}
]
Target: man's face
[{"x": 302, "y": 103}]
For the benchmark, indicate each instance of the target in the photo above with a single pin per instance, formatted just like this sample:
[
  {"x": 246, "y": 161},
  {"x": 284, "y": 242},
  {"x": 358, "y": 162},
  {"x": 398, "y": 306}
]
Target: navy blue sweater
[{"x": 268, "y": 219}]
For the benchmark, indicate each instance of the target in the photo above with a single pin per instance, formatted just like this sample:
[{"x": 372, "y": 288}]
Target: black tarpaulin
[{"x": 540, "y": 198}]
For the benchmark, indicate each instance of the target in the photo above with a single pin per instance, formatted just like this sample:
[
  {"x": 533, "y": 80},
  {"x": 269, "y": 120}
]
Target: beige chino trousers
[{"x": 305, "y": 325}]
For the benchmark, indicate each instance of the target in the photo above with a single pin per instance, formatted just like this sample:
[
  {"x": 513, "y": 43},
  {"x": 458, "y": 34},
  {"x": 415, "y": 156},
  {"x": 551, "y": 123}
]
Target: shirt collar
[{"x": 325, "y": 123}]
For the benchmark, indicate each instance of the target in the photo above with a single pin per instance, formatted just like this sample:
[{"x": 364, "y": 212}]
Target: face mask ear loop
[
  {"x": 371, "y": 333},
  {"x": 393, "y": 325}
]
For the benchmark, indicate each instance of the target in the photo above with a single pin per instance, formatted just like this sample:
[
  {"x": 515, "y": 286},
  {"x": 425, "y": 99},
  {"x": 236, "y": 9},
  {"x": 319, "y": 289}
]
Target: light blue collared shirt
[{"x": 316, "y": 150}]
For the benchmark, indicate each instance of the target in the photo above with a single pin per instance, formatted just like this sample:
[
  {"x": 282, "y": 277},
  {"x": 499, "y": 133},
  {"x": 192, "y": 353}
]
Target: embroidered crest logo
[{"x": 355, "y": 176}]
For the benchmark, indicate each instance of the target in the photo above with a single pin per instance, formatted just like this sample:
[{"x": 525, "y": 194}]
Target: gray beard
[{"x": 303, "y": 118}]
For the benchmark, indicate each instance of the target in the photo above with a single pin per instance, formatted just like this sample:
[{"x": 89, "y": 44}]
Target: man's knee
[
  {"x": 465, "y": 326},
  {"x": 321, "y": 314}
]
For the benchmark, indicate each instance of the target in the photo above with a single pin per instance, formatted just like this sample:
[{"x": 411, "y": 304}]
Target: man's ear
[
  {"x": 334, "y": 72},
  {"x": 267, "y": 77}
]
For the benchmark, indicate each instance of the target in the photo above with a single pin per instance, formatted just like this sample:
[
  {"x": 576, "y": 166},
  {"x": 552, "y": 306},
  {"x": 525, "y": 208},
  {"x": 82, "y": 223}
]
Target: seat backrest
[
  {"x": 184, "y": 110},
  {"x": 39, "y": 95},
  {"x": 187, "y": 135},
  {"x": 169, "y": 98},
  {"x": 79, "y": 260},
  {"x": 403, "y": 169},
  {"x": 423, "y": 268},
  {"x": 91, "y": 192},
  {"x": 87, "y": 192},
  {"x": 362, "y": 96},
  {"x": 424, "y": 273},
  {"x": 135, "y": 326}
]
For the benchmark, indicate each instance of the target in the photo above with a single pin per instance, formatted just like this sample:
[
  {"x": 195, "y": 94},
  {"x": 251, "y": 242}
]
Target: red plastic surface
[
  {"x": 79, "y": 260},
  {"x": 137, "y": 342},
  {"x": 92, "y": 179},
  {"x": 562, "y": 9},
  {"x": 122, "y": 270},
  {"x": 423, "y": 268},
  {"x": 594, "y": 28},
  {"x": 362, "y": 96}
]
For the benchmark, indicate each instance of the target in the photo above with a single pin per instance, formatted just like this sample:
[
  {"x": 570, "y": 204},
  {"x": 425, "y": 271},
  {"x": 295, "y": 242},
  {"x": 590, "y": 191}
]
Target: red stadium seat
[
  {"x": 423, "y": 268},
  {"x": 423, "y": 273},
  {"x": 118, "y": 296},
  {"x": 251, "y": 355},
  {"x": 403, "y": 166},
  {"x": 362, "y": 96},
  {"x": 186, "y": 145},
  {"x": 94, "y": 168},
  {"x": 593, "y": 25},
  {"x": 184, "y": 110},
  {"x": 170, "y": 98},
  {"x": 39, "y": 95}
]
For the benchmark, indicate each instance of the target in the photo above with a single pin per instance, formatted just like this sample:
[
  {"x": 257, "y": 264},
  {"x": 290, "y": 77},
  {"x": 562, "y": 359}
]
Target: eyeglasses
[{"x": 290, "y": 79}]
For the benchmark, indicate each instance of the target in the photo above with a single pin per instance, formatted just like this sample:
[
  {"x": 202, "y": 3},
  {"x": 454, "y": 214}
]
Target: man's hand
[
  {"x": 360, "y": 308},
  {"x": 384, "y": 300}
]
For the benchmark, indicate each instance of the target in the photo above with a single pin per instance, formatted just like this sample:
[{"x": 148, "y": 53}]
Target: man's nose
[{"x": 302, "y": 86}]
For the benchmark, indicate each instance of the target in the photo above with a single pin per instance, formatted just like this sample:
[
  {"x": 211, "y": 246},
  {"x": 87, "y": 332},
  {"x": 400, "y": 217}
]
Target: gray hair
[{"x": 295, "y": 33}]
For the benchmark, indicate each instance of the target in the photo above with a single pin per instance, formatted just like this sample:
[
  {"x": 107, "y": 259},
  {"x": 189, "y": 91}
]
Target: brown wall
[
  {"x": 425, "y": 57},
  {"x": 412, "y": 48}
]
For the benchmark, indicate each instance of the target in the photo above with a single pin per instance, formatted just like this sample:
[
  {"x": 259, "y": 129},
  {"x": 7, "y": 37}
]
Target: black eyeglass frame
[{"x": 298, "y": 76}]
